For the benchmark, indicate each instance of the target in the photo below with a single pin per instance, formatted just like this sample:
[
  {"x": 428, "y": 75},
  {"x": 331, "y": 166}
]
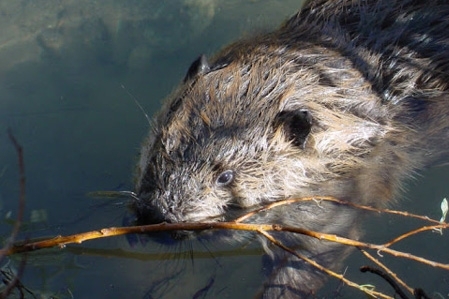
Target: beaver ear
[
  {"x": 296, "y": 125},
  {"x": 199, "y": 67}
]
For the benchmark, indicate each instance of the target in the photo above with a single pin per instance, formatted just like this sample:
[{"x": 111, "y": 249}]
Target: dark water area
[{"x": 63, "y": 66}]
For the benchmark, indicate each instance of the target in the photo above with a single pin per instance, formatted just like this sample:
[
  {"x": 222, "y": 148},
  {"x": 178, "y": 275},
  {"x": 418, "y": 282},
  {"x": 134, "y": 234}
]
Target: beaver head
[{"x": 254, "y": 129}]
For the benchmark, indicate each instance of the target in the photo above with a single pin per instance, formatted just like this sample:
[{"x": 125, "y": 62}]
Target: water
[{"x": 62, "y": 67}]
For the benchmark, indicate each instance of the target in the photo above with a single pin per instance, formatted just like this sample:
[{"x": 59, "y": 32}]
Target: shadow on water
[{"x": 62, "y": 64}]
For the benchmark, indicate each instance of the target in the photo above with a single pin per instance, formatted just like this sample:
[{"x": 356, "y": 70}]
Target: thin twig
[
  {"x": 21, "y": 209},
  {"x": 333, "y": 199},
  {"x": 388, "y": 271},
  {"x": 15, "y": 231},
  {"x": 416, "y": 231}
]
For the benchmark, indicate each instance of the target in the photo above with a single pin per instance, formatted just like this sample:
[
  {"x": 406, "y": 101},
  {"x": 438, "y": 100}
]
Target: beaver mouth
[{"x": 173, "y": 237}]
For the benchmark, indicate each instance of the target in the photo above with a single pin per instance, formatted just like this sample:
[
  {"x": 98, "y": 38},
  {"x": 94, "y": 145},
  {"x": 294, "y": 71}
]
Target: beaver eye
[{"x": 225, "y": 178}]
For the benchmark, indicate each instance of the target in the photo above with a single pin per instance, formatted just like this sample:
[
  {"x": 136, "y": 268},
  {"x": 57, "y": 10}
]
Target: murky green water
[{"x": 62, "y": 68}]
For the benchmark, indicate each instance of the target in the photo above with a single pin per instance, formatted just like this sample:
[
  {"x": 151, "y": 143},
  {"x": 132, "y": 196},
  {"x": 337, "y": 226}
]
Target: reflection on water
[{"x": 62, "y": 65}]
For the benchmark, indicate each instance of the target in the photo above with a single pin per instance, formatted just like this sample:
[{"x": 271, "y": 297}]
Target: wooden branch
[{"x": 61, "y": 241}]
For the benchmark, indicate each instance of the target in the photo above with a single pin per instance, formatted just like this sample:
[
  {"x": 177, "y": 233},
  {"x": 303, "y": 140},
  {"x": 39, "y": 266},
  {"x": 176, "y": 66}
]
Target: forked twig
[{"x": 61, "y": 241}]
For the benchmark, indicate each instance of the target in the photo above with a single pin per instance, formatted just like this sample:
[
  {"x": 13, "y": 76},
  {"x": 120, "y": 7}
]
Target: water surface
[{"x": 62, "y": 68}]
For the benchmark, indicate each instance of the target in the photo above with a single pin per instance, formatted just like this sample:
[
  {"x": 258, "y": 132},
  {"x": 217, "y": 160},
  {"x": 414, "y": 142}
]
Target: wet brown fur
[{"x": 374, "y": 78}]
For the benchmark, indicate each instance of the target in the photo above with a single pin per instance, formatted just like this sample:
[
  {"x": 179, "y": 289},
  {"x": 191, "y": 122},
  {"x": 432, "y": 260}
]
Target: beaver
[{"x": 346, "y": 99}]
